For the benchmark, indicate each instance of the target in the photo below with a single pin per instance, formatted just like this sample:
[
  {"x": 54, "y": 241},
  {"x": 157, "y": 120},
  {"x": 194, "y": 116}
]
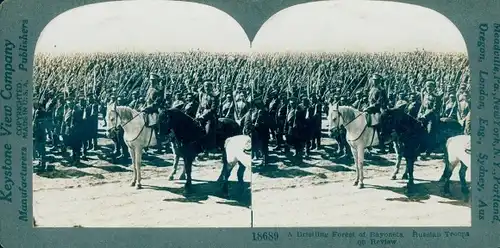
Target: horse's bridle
[
  {"x": 346, "y": 124},
  {"x": 115, "y": 127}
]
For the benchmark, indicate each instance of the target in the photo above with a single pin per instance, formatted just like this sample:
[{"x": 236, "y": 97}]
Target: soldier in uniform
[
  {"x": 256, "y": 125},
  {"x": 358, "y": 102},
  {"x": 273, "y": 109},
  {"x": 207, "y": 115},
  {"x": 429, "y": 113},
  {"x": 135, "y": 103},
  {"x": 377, "y": 100},
  {"x": 413, "y": 105},
  {"x": 40, "y": 119},
  {"x": 450, "y": 108},
  {"x": 294, "y": 127},
  {"x": 153, "y": 98},
  {"x": 227, "y": 110},
  {"x": 178, "y": 101},
  {"x": 317, "y": 116},
  {"x": 73, "y": 119},
  {"x": 57, "y": 120},
  {"x": 190, "y": 107},
  {"x": 93, "y": 116},
  {"x": 280, "y": 120}
]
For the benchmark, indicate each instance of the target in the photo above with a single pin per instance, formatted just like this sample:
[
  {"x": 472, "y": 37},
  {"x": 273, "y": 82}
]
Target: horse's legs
[
  {"x": 354, "y": 152},
  {"x": 133, "y": 157},
  {"x": 241, "y": 174},
  {"x": 410, "y": 162},
  {"x": 138, "y": 162},
  {"x": 360, "y": 158},
  {"x": 222, "y": 175},
  {"x": 188, "y": 165},
  {"x": 398, "y": 162},
  {"x": 462, "y": 171},
  {"x": 176, "y": 161}
]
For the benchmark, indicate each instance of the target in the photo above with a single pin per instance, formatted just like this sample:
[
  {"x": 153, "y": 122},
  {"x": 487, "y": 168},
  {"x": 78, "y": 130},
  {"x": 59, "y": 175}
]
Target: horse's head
[
  {"x": 391, "y": 119},
  {"x": 116, "y": 116},
  {"x": 335, "y": 120}
]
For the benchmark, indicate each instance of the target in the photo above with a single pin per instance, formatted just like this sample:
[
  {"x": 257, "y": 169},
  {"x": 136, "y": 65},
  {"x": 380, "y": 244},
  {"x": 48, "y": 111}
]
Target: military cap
[
  {"x": 154, "y": 76},
  {"x": 135, "y": 92},
  {"x": 430, "y": 83},
  {"x": 376, "y": 76},
  {"x": 207, "y": 83},
  {"x": 292, "y": 99},
  {"x": 359, "y": 92}
]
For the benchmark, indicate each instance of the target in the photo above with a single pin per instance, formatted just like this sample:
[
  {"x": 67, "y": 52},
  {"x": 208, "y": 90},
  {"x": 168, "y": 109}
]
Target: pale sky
[{"x": 164, "y": 26}]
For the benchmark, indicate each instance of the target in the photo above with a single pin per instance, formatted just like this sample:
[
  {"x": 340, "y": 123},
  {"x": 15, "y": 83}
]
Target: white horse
[
  {"x": 359, "y": 136},
  {"x": 137, "y": 136},
  {"x": 235, "y": 154},
  {"x": 455, "y": 154}
]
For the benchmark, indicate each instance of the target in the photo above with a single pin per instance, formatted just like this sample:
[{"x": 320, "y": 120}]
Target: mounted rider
[
  {"x": 377, "y": 103},
  {"x": 207, "y": 115},
  {"x": 152, "y": 101},
  {"x": 429, "y": 111}
]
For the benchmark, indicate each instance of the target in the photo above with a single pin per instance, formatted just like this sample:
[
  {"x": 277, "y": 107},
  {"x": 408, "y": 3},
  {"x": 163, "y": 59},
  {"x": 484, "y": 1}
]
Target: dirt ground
[{"x": 317, "y": 192}]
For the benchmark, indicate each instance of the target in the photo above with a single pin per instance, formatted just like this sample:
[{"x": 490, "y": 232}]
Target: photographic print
[
  {"x": 364, "y": 115},
  {"x": 132, "y": 126}
]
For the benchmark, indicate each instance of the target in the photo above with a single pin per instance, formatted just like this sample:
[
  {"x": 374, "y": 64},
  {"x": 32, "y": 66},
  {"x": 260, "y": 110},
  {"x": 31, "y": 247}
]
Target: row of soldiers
[{"x": 288, "y": 119}]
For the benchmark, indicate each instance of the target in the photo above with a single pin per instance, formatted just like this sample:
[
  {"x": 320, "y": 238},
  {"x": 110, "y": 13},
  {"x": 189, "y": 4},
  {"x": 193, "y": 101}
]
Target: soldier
[
  {"x": 178, "y": 101},
  {"x": 256, "y": 125},
  {"x": 308, "y": 125},
  {"x": 450, "y": 108},
  {"x": 190, "y": 107},
  {"x": 135, "y": 103},
  {"x": 358, "y": 102},
  {"x": 57, "y": 120},
  {"x": 227, "y": 110},
  {"x": 294, "y": 127},
  {"x": 317, "y": 116},
  {"x": 413, "y": 105},
  {"x": 273, "y": 110},
  {"x": 401, "y": 101},
  {"x": 153, "y": 99},
  {"x": 377, "y": 100},
  {"x": 429, "y": 113},
  {"x": 73, "y": 119},
  {"x": 40, "y": 119},
  {"x": 207, "y": 115},
  {"x": 93, "y": 109},
  {"x": 280, "y": 120}
]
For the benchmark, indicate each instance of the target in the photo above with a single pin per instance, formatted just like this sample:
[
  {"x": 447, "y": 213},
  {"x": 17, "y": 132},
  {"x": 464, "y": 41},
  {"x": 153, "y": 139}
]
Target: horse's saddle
[{"x": 372, "y": 119}]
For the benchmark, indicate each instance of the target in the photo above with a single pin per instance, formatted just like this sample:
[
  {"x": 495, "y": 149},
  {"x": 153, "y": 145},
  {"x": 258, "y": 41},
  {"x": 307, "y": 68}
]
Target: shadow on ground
[
  {"x": 202, "y": 190},
  {"x": 424, "y": 190}
]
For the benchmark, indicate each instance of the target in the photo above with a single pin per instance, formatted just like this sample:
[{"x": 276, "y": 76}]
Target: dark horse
[
  {"x": 190, "y": 136},
  {"x": 412, "y": 136}
]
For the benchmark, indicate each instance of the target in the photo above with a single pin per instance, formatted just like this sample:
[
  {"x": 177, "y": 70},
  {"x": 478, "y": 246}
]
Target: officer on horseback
[
  {"x": 207, "y": 115},
  {"x": 377, "y": 102},
  {"x": 152, "y": 98},
  {"x": 429, "y": 111}
]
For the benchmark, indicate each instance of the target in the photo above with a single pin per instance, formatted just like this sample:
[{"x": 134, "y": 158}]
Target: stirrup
[{"x": 468, "y": 151}]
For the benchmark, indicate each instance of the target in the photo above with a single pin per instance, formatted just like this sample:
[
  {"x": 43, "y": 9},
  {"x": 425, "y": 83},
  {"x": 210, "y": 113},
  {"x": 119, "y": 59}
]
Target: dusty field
[
  {"x": 320, "y": 192},
  {"x": 97, "y": 194}
]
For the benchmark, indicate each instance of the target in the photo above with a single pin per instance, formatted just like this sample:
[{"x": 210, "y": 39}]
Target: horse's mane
[
  {"x": 348, "y": 112},
  {"x": 125, "y": 112}
]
